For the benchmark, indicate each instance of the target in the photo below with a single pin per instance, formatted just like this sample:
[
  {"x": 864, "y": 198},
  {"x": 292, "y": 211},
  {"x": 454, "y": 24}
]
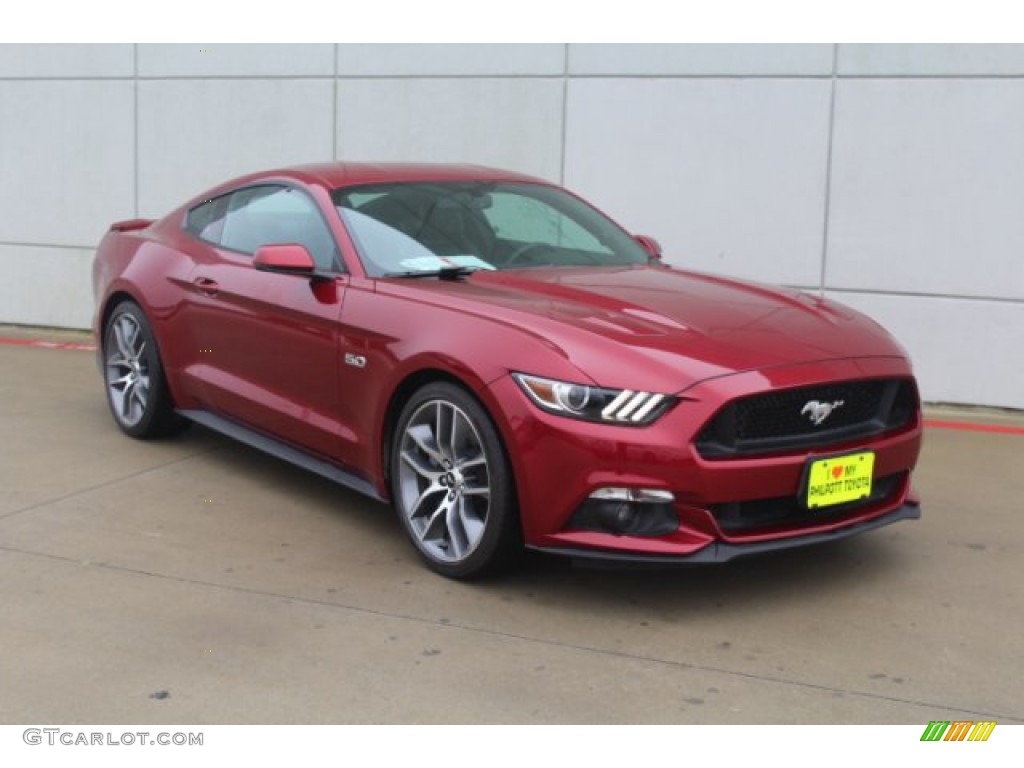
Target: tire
[
  {"x": 133, "y": 376},
  {"x": 455, "y": 496}
]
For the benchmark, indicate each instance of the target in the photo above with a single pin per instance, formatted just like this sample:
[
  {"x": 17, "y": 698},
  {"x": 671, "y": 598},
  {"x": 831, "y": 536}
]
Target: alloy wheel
[
  {"x": 128, "y": 376},
  {"x": 444, "y": 481}
]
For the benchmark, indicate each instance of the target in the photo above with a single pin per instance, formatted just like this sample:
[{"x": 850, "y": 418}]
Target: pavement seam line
[
  {"x": 105, "y": 484},
  {"x": 514, "y": 636}
]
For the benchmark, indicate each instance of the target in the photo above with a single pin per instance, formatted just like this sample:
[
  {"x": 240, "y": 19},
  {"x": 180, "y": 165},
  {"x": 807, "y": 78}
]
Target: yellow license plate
[{"x": 840, "y": 479}]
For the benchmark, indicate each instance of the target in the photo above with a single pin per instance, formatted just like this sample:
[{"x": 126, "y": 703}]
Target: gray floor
[{"x": 251, "y": 592}]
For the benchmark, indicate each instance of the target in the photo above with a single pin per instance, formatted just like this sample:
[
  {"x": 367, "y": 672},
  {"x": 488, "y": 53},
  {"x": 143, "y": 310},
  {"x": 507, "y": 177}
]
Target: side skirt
[{"x": 281, "y": 450}]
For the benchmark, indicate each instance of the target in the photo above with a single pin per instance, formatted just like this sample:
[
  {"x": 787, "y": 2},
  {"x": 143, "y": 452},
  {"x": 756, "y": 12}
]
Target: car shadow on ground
[
  {"x": 803, "y": 574},
  {"x": 759, "y": 580}
]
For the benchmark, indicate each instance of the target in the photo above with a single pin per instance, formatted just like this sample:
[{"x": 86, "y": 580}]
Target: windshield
[{"x": 427, "y": 226}]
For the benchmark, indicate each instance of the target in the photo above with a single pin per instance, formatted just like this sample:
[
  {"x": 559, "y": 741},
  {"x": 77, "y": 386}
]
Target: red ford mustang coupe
[{"x": 506, "y": 366}]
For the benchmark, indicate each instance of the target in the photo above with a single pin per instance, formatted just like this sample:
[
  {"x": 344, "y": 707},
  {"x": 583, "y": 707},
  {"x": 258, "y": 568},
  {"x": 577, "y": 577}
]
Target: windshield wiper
[{"x": 444, "y": 273}]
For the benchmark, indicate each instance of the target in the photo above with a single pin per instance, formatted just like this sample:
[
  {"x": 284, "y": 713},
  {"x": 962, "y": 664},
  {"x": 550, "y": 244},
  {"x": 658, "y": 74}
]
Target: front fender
[{"x": 407, "y": 342}]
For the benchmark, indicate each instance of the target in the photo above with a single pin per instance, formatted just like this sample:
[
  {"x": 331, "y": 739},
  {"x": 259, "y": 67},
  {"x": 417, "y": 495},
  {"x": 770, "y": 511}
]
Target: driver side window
[{"x": 270, "y": 215}]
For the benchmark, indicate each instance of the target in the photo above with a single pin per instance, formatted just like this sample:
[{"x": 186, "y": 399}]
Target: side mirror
[
  {"x": 650, "y": 245},
  {"x": 290, "y": 258}
]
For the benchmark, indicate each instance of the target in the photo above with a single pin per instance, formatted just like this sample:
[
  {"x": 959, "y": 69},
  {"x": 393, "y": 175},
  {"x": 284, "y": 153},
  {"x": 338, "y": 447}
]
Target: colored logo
[{"x": 958, "y": 730}]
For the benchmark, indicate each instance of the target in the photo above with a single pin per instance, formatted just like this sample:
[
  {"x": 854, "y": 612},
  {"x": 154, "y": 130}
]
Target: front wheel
[{"x": 452, "y": 485}]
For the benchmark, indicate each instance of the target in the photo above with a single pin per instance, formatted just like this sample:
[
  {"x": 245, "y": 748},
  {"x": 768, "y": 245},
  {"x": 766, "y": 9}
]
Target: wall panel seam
[
  {"x": 926, "y": 295},
  {"x": 827, "y": 202},
  {"x": 135, "y": 132},
  {"x": 565, "y": 112},
  {"x": 21, "y": 244},
  {"x": 334, "y": 116}
]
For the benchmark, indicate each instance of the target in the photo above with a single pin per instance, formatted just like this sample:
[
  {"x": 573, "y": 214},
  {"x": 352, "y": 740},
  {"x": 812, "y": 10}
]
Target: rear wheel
[
  {"x": 452, "y": 485},
  {"x": 137, "y": 391}
]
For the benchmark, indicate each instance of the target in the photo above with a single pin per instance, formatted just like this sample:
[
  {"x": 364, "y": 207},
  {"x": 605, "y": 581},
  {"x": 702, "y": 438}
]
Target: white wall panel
[
  {"x": 46, "y": 286},
  {"x": 65, "y": 159},
  {"x": 66, "y": 60},
  {"x": 435, "y": 59},
  {"x": 699, "y": 59},
  {"x": 728, "y": 174},
  {"x": 928, "y": 187},
  {"x": 239, "y": 60},
  {"x": 720, "y": 151},
  {"x": 930, "y": 59},
  {"x": 194, "y": 134},
  {"x": 512, "y": 123},
  {"x": 964, "y": 350}
]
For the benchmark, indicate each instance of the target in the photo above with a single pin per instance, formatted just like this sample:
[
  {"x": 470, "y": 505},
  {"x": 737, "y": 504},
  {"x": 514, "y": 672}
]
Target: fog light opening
[{"x": 627, "y": 512}]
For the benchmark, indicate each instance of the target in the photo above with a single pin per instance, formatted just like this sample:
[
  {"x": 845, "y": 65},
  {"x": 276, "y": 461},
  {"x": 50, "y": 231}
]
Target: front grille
[
  {"x": 747, "y": 516},
  {"x": 782, "y": 420}
]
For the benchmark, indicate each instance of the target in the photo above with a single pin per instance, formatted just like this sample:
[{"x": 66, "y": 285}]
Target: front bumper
[
  {"x": 559, "y": 462},
  {"x": 721, "y": 551}
]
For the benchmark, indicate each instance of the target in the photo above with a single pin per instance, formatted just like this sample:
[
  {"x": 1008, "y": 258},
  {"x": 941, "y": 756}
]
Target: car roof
[{"x": 332, "y": 175}]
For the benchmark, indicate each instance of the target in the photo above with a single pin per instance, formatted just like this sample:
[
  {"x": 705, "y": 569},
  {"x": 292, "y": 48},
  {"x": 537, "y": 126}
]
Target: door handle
[{"x": 206, "y": 286}]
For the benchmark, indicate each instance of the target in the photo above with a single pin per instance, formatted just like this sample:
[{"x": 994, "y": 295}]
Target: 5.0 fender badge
[{"x": 356, "y": 361}]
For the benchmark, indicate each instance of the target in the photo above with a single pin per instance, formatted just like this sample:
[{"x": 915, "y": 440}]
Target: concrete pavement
[{"x": 197, "y": 581}]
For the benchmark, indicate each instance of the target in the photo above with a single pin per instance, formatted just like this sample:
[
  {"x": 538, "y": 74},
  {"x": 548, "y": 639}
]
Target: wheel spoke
[
  {"x": 126, "y": 403},
  {"x": 133, "y": 337},
  {"x": 123, "y": 345},
  {"x": 421, "y": 470},
  {"x": 139, "y": 392},
  {"x": 117, "y": 399},
  {"x": 436, "y": 517},
  {"x": 454, "y": 438},
  {"x": 473, "y": 526},
  {"x": 123, "y": 381},
  {"x": 484, "y": 491},
  {"x": 456, "y": 533},
  {"x": 440, "y": 430},
  {"x": 476, "y": 461},
  {"x": 430, "y": 490},
  {"x": 417, "y": 437}
]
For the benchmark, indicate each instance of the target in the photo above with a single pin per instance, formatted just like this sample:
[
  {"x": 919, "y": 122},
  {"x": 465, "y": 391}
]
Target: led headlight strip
[
  {"x": 631, "y": 406},
  {"x": 621, "y": 406}
]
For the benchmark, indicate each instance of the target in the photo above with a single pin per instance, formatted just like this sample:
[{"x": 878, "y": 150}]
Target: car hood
[{"x": 690, "y": 325}]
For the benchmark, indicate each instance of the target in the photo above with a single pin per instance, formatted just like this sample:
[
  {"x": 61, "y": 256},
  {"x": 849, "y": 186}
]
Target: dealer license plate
[{"x": 840, "y": 479}]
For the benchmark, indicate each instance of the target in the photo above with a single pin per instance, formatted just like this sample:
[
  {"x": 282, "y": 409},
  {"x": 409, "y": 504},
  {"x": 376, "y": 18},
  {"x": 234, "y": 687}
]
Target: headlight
[{"x": 617, "y": 406}]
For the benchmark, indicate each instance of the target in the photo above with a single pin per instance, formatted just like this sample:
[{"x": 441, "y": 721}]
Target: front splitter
[{"x": 722, "y": 551}]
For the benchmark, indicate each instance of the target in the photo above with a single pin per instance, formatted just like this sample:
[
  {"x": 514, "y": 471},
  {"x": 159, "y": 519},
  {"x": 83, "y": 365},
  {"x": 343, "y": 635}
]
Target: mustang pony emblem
[{"x": 818, "y": 412}]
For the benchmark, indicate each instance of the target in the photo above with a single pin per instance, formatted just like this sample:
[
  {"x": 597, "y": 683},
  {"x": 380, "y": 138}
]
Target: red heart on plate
[{"x": 837, "y": 471}]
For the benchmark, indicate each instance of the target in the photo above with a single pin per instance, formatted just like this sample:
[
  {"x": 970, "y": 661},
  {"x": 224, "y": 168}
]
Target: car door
[{"x": 268, "y": 342}]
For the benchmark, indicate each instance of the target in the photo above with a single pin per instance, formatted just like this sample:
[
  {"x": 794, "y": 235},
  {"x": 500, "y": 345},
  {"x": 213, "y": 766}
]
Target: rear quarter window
[{"x": 206, "y": 220}]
